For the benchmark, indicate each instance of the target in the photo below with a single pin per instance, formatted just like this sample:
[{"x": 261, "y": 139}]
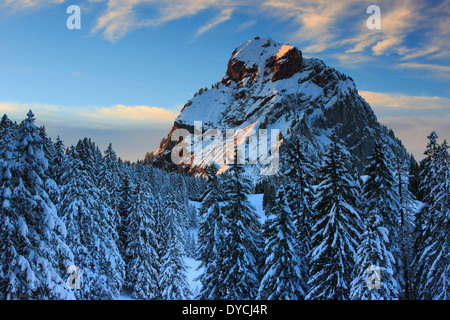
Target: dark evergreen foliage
[
  {"x": 327, "y": 231},
  {"x": 336, "y": 229}
]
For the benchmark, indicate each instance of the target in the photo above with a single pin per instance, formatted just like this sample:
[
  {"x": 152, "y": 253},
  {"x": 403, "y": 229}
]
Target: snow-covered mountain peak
[
  {"x": 269, "y": 85},
  {"x": 264, "y": 58},
  {"x": 257, "y": 50}
]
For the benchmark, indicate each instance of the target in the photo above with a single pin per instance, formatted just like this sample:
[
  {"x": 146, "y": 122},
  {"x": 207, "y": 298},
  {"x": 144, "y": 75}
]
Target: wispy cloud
[
  {"x": 428, "y": 66},
  {"x": 118, "y": 19},
  {"x": 121, "y": 17},
  {"x": 352, "y": 60},
  {"x": 438, "y": 33},
  {"x": 20, "y": 5},
  {"x": 398, "y": 19},
  {"x": 245, "y": 25},
  {"x": 318, "y": 24},
  {"x": 323, "y": 25},
  {"x": 223, "y": 16},
  {"x": 317, "y": 20},
  {"x": 418, "y": 52}
]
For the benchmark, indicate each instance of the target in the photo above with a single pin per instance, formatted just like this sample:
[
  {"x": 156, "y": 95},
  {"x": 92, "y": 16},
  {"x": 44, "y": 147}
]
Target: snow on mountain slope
[{"x": 269, "y": 85}]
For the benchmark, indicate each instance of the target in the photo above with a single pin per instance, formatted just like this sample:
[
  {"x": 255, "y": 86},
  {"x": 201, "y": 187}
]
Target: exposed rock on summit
[
  {"x": 283, "y": 64},
  {"x": 270, "y": 85}
]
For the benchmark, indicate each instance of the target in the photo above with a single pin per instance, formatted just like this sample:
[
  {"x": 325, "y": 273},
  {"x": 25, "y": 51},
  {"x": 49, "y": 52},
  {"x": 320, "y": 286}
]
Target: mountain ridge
[{"x": 270, "y": 85}]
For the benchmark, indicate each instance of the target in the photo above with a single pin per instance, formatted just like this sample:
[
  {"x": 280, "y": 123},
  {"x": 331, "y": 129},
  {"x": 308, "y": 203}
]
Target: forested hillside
[{"x": 329, "y": 231}]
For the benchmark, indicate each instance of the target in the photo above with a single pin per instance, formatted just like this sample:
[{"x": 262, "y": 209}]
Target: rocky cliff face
[
  {"x": 287, "y": 61},
  {"x": 270, "y": 85}
]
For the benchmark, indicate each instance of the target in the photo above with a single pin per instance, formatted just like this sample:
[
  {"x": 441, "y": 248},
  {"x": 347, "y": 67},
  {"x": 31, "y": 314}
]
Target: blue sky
[{"x": 124, "y": 76}]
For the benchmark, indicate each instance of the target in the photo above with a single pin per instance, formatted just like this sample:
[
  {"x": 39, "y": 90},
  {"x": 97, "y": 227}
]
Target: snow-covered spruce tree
[
  {"x": 75, "y": 208},
  {"x": 192, "y": 216},
  {"x": 8, "y": 217},
  {"x": 171, "y": 204},
  {"x": 7, "y": 128},
  {"x": 8, "y": 136},
  {"x": 336, "y": 228},
  {"x": 427, "y": 177},
  {"x": 8, "y": 152},
  {"x": 240, "y": 272},
  {"x": 125, "y": 194},
  {"x": 160, "y": 230},
  {"x": 56, "y": 161},
  {"x": 173, "y": 282},
  {"x": 50, "y": 152},
  {"x": 48, "y": 146},
  {"x": 379, "y": 243},
  {"x": 430, "y": 165},
  {"x": 435, "y": 255},
  {"x": 269, "y": 193},
  {"x": 405, "y": 227},
  {"x": 414, "y": 178},
  {"x": 109, "y": 182},
  {"x": 91, "y": 229},
  {"x": 193, "y": 226},
  {"x": 282, "y": 276},
  {"x": 33, "y": 251},
  {"x": 211, "y": 238},
  {"x": 299, "y": 170},
  {"x": 143, "y": 263},
  {"x": 106, "y": 219},
  {"x": 190, "y": 246},
  {"x": 160, "y": 224}
]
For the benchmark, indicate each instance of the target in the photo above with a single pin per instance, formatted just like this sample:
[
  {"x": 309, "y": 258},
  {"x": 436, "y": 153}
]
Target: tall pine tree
[
  {"x": 173, "y": 281},
  {"x": 299, "y": 170},
  {"x": 211, "y": 238},
  {"x": 407, "y": 205},
  {"x": 91, "y": 228},
  {"x": 240, "y": 272},
  {"x": 336, "y": 230},
  {"x": 143, "y": 261},
  {"x": 33, "y": 251},
  {"x": 282, "y": 271},
  {"x": 435, "y": 251},
  {"x": 379, "y": 244}
]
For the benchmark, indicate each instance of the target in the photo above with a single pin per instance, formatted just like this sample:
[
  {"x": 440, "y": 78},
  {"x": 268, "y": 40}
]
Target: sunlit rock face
[{"x": 269, "y": 85}]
